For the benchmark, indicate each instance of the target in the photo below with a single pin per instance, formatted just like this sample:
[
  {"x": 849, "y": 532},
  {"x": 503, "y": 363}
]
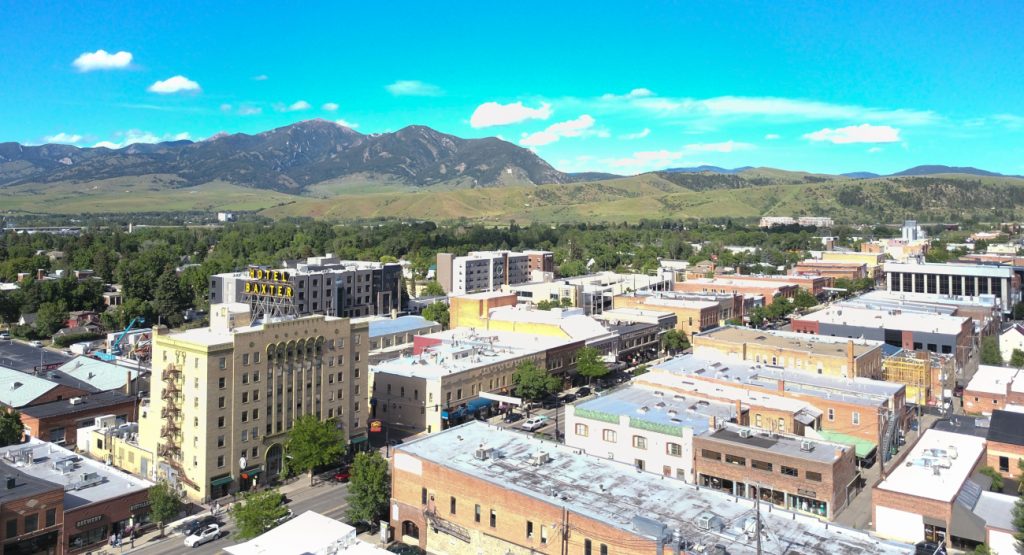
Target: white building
[
  {"x": 911, "y": 231},
  {"x": 1011, "y": 339},
  {"x": 482, "y": 271},
  {"x": 310, "y": 533}
]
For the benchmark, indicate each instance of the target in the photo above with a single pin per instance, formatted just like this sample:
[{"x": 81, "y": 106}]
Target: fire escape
[
  {"x": 446, "y": 526},
  {"x": 170, "y": 449}
]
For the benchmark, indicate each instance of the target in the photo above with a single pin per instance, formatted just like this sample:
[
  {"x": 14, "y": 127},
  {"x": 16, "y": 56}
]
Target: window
[
  {"x": 856, "y": 418},
  {"x": 733, "y": 459},
  {"x": 245, "y": 359},
  {"x": 529, "y": 529},
  {"x": 222, "y": 363},
  {"x": 761, "y": 465},
  {"x": 543, "y": 534},
  {"x": 245, "y": 378},
  {"x": 220, "y": 402},
  {"x": 51, "y": 517},
  {"x": 581, "y": 430},
  {"x": 452, "y": 507},
  {"x": 789, "y": 471},
  {"x": 639, "y": 464},
  {"x": 255, "y": 414},
  {"x": 1004, "y": 464},
  {"x": 831, "y": 415},
  {"x": 640, "y": 442},
  {"x": 221, "y": 383},
  {"x": 220, "y": 421},
  {"x": 31, "y": 523},
  {"x": 587, "y": 547},
  {"x": 57, "y": 435},
  {"x": 674, "y": 449},
  {"x": 709, "y": 454},
  {"x": 245, "y": 435},
  {"x": 494, "y": 518},
  {"x": 476, "y": 512},
  {"x": 609, "y": 436},
  {"x": 245, "y": 416},
  {"x": 220, "y": 461},
  {"x": 813, "y": 476},
  {"x": 757, "y": 420},
  {"x": 12, "y": 527},
  {"x": 604, "y": 549},
  {"x": 423, "y": 496}
]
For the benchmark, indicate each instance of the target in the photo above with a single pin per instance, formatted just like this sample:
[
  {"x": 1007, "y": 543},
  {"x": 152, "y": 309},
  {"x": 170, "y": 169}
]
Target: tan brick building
[
  {"x": 692, "y": 316},
  {"x": 1006, "y": 443},
  {"x": 993, "y": 388},
  {"x": 770, "y": 290}
]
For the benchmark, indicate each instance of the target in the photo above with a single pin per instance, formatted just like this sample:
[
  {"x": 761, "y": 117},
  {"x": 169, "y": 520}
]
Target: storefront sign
[
  {"x": 88, "y": 521},
  {"x": 268, "y": 275},
  {"x": 376, "y": 426},
  {"x": 269, "y": 283},
  {"x": 138, "y": 506},
  {"x": 806, "y": 493}
]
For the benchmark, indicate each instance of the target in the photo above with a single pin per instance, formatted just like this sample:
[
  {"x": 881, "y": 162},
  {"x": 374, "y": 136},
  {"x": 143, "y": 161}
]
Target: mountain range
[{"x": 293, "y": 158}]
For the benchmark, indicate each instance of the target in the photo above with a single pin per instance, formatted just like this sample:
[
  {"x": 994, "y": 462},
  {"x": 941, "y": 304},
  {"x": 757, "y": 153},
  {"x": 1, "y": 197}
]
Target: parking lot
[
  {"x": 24, "y": 357},
  {"x": 553, "y": 416}
]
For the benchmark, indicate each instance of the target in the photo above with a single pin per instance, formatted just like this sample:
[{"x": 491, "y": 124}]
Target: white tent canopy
[{"x": 310, "y": 533}]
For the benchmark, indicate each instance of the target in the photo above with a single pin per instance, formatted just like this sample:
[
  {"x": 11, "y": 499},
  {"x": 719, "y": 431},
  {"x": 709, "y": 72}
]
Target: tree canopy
[
  {"x": 369, "y": 488},
  {"x": 11, "y": 429},
  {"x": 258, "y": 512},
  {"x": 433, "y": 289},
  {"x": 164, "y": 503},
  {"x": 990, "y": 351},
  {"x": 437, "y": 312},
  {"x": 674, "y": 341},
  {"x": 589, "y": 363},
  {"x": 313, "y": 442},
  {"x": 533, "y": 382}
]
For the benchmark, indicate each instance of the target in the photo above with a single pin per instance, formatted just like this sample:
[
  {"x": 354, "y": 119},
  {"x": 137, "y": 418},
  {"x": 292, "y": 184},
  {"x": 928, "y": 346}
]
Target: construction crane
[{"x": 115, "y": 345}]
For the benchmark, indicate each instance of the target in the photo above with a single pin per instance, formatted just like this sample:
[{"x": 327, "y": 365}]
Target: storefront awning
[
  {"x": 222, "y": 480},
  {"x": 862, "y": 447},
  {"x": 360, "y": 439},
  {"x": 254, "y": 471}
]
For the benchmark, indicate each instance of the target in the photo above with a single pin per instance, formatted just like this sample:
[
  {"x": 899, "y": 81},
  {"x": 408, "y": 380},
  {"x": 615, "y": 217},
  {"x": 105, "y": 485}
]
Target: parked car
[
  {"x": 567, "y": 398},
  {"x": 929, "y": 548},
  {"x": 405, "y": 549},
  {"x": 198, "y": 524},
  {"x": 342, "y": 475},
  {"x": 958, "y": 391},
  {"x": 36, "y": 343},
  {"x": 513, "y": 417},
  {"x": 203, "y": 535},
  {"x": 535, "y": 423},
  {"x": 549, "y": 402},
  {"x": 582, "y": 392},
  {"x": 5, "y": 336}
]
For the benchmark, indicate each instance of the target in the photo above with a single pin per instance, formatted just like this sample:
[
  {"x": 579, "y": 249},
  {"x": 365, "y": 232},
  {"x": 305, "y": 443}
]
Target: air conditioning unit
[
  {"x": 482, "y": 453},
  {"x": 806, "y": 445},
  {"x": 745, "y": 433},
  {"x": 539, "y": 458}
]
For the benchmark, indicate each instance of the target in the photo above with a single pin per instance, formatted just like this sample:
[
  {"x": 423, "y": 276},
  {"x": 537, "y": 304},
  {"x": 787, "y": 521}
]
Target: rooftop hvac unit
[
  {"x": 539, "y": 458},
  {"x": 745, "y": 433},
  {"x": 482, "y": 453},
  {"x": 806, "y": 445}
]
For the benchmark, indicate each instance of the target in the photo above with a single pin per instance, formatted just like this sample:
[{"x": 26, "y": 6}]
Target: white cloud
[
  {"x": 225, "y": 107},
  {"x": 634, "y": 136},
  {"x": 136, "y": 136},
  {"x": 413, "y": 88},
  {"x": 298, "y": 106},
  {"x": 176, "y": 84},
  {"x": 1011, "y": 121},
  {"x": 101, "y": 59},
  {"x": 863, "y": 133},
  {"x": 490, "y": 114},
  {"x": 727, "y": 146},
  {"x": 345, "y": 123},
  {"x": 330, "y": 107},
  {"x": 260, "y": 78},
  {"x": 581, "y": 126},
  {"x": 248, "y": 110},
  {"x": 772, "y": 137},
  {"x": 646, "y": 159},
  {"x": 875, "y": 149},
  {"x": 63, "y": 138}
]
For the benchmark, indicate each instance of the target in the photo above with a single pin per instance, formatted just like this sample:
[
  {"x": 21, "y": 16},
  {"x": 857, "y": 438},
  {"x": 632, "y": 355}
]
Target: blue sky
[{"x": 623, "y": 87}]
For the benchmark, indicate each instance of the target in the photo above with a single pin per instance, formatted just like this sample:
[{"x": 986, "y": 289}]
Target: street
[{"x": 326, "y": 498}]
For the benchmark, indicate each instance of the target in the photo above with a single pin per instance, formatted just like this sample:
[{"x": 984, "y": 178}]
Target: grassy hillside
[{"x": 647, "y": 196}]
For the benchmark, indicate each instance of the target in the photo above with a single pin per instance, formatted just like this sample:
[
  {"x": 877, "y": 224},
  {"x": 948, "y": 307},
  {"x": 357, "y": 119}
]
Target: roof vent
[
  {"x": 539, "y": 458},
  {"x": 806, "y": 445},
  {"x": 745, "y": 433},
  {"x": 482, "y": 453}
]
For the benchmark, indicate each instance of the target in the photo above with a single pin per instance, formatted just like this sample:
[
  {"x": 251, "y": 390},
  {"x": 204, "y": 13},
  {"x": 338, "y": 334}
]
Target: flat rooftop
[
  {"x": 953, "y": 454},
  {"x": 624, "y": 314},
  {"x": 950, "y": 269},
  {"x": 860, "y": 391},
  {"x": 882, "y": 319},
  {"x": 781, "y": 444},
  {"x": 650, "y": 405},
  {"x": 572, "y": 321},
  {"x": 820, "y": 345},
  {"x": 992, "y": 379},
  {"x": 85, "y": 482},
  {"x": 446, "y": 359},
  {"x": 87, "y": 403},
  {"x": 737, "y": 282},
  {"x": 497, "y": 340},
  {"x": 403, "y": 324},
  {"x": 210, "y": 337},
  {"x": 24, "y": 358},
  {"x": 679, "y": 303},
  {"x": 617, "y": 494},
  {"x": 926, "y": 299}
]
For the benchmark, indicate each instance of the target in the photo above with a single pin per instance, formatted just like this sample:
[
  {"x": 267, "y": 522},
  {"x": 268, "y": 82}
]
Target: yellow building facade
[
  {"x": 223, "y": 398},
  {"x": 872, "y": 260}
]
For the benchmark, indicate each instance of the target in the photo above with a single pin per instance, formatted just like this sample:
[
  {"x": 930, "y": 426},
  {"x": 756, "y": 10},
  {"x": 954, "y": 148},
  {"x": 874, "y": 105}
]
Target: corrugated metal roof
[
  {"x": 18, "y": 389},
  {"x": 104, "y": 376}
]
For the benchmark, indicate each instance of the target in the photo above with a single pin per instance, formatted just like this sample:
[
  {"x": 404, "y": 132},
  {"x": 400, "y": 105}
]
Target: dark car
[
  {"x": 194, "y": 526},
  {"x": 567, "y": 398},
  {"x": 958, "y": 391},
  {"x": 405, "y": 549},
  {"x": 549, "y": 402},
  {"x": 929, "y": 548},
  {"x": 582, "y": 392},
  {"x": 513, "y": 417}
]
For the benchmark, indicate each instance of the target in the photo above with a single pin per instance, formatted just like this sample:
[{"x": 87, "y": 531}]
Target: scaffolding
[{"x": 921, "y": 372}]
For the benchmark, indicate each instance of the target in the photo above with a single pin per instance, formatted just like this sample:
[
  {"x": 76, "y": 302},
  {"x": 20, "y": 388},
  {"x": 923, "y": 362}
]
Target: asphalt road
[
  {"x": 24, "y": 357},
  {"x": 326, "y": 498}
]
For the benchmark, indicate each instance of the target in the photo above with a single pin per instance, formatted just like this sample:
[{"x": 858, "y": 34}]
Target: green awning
[
  {"x": 357, "y": 440},
  {"x": 861, "y": 447},
  {"x": 222, "y": 480},
  {"x": 254, "y": 471}
]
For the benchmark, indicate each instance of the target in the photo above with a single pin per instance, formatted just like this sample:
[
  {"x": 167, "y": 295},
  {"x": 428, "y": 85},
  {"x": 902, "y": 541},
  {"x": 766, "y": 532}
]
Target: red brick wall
[
  {"x": 113, "y": 510},
  {"x": 805, "y": 326},
  {"x": 38, "y": 504},
  {"x": 41, "y": 428}
]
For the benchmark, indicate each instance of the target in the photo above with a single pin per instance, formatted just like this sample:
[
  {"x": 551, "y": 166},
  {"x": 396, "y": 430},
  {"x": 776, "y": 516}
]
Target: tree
[
  {"x": 1020, "y": 483},
  {"x": 51, "y": 317},
  {"x": 11, "y": 429},
  {"x": 164, "y": 503},
  {"x": 990, "y": 351},
  {"x": 997, "y": 479},
  {"x": 1018, "y": 523},
  {"x": 533, "y": 382},
  {"x": 438, "y": 312},
  {"x": 258, "y": 512},
  {"x": 369, "y": 488},
  {"x": 1018, "y": 311},
  {"x": 313, "y": 442},
  {"x": 589, "y": 364},
  {"x": 757, "y": 316},
  {"x": 1017, "y": 358},
  {"x": 982, "y": 549},
  {"x": 169, "y": 299},
  {"x": 674, "y": 341},
  {"x": 803, "y": 299},
  {"x": 433, "y": 289}
]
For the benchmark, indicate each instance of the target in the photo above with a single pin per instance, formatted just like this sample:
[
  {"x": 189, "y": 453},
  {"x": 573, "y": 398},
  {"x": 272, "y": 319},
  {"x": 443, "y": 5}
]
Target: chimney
[
  {"x": 10, "y": 482},
  {"x": 780, "y": 386},
  {"x": 739, "y": 411},
  {"x": 40, "y": 273},
  {"x": 128, "y": 382}
]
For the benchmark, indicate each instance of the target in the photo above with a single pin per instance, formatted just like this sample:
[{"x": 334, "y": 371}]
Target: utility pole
[{"x": 757, "y": 526}]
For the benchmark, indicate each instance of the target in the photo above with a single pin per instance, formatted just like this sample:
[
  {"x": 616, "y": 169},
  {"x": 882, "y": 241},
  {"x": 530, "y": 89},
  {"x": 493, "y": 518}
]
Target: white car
[
  {"x": 5, "y": 336},
  {"x": 36, "y": 343},
  {"x": 535, "y": 423},
  {"x": 204, "y": 535}
]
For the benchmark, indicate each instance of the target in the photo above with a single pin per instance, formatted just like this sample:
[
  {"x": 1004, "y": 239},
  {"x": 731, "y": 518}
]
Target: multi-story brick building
[
  {"x": 915, "y": 501},
  {"x": 692, "y": 316},
  {"x": 993, "y": 388},
  {"x": 480, "y": 489},
  {"x": 796, "y": 473},
  {"x": 830, "y": 270},
  {"x": 223, "y": 398},
  {"x": 816, "y": 354},
  {"x": 815, "y": 285},
  {"x": 769, "y": 290},
  {"x": 58, "y": 421},
  {"x": 1005, "y": 447}
]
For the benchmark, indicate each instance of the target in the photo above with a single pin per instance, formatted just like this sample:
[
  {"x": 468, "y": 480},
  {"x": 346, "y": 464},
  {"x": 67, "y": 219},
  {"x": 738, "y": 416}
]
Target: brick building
[
  {"x": 1006, "y": 443},
  {"x": 692, "y": 316},
  {"x": 770, "y": 290},
  {"x": 993, "y": 388},
  {"x": 815, "y": 285},
  {"x": 58, "y": 421},
  {"x": 831, "y": 270},
  {"x": 32, "y": 510},
  {"x": 480, "y": 489},
  {"x": 21, "y": 389},
  {"x": 792, "y": 472}
]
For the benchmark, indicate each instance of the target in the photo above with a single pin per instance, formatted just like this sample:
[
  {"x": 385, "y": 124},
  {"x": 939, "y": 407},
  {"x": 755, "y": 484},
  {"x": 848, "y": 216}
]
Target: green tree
[
  {"x": 1017, "y": 358},
  {"x": 10, "y": 308},
  {"x": 433, "y": 289},
  {"x": 533, "y": 382},
  {"x": 438, "y": 312},
  {"x": 589, "y": 364},
  {"x": 674, "y": 341},
  {"x": 313, "y": 442},
  {"x": 11, "y": 428},
  {"x": 997, "y": 479},
  {"x": 804, "y": 299},
  {"x": 1020, "y": 482},
  {"x": 1018, "y": 311},
  {"x": 565, "y": 302},
  {"x": 757, "y": 316},
  {"x": 369, "y": 488},
  {"x": 258, "y": 512},
  {"x": 1018, "y": 523},
  {"x": 990, "y": 351},
  {"x": 170, "y": 299},
  {"x": 981, "y": 549},
  {"x": 51, "y": 317},
  {"x": 164, "y": 503},
  {"x": 571, "y": 268}
]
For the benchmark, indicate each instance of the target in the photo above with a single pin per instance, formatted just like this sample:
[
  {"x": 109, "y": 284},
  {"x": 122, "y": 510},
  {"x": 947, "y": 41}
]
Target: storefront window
[
  {"x": 808, "y": 505},
  {"x": 87, "y": 538}
]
